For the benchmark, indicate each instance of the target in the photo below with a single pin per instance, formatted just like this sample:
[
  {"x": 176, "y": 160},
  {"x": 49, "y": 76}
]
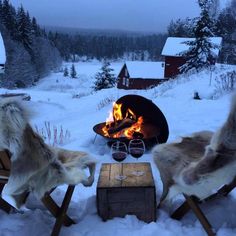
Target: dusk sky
[{"x": 135, "y": 15}]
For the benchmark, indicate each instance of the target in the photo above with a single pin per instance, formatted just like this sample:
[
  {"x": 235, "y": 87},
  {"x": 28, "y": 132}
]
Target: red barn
[
  {"x": 140, "y": 75},
  {"x": 173, "y": 49}
]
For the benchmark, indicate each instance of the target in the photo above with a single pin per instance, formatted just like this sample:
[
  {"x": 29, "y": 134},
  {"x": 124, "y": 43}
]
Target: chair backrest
[{"x": 5, "y": 166}]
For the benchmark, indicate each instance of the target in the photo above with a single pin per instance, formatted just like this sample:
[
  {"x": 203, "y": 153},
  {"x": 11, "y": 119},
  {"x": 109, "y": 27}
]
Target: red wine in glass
[
  {"x": 119, "y": 153},
  {"x": 137, "y": 149},
  {"x": 119, "y": 156},
  {"x": 136, "y": 152}
]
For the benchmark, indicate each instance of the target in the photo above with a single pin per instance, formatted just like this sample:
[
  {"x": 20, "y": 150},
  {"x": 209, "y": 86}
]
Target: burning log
[{"x": 118, "y": 126}]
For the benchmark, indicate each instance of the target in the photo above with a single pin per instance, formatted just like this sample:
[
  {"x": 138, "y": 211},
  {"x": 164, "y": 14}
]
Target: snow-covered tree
[
  {"x": 181, "y": 28},
  {"x": 35, "y": 27},
  {"x": 105, "y": 78},
  {"x": 200, "y": 53},
  {"x": 73, "y": 73},
  {"x": 214, "y": 8},
  {"x": 65, "y": 72},
  {"x": 30, "y": 54},
  {"x": 24, "y": 28},
  {"x": 8, "y": 17},
  {"x": 226, "y": 28}
]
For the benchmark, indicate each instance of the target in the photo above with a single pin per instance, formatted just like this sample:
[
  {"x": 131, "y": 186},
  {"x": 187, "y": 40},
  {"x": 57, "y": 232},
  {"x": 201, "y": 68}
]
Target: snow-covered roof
[
  {"x": 175, "y": 46},
  {"x": 2, "y": 51},
  {"x": 145, "y": 70}
]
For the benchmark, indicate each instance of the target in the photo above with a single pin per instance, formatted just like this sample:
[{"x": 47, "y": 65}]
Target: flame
[
  {"x": 117, "y": 116},
  {"x": 117, "y": 111},
  {"x": 136, "y": 127}
]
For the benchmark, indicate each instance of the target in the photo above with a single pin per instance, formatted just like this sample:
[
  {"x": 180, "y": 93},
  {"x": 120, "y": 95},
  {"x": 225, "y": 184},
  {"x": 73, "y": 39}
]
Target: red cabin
[
  {"x": 140, "y": 75},
  {"x": 173, "y": 49}
]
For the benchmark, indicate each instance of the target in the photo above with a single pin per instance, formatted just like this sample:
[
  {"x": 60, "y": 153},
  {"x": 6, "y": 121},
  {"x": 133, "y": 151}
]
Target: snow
[
  {"x": 145, "y": 69},
  {"x": 53, "y": 100},
  {"x": 2, "y": 51},
  {"x": 174, "y": 46}
]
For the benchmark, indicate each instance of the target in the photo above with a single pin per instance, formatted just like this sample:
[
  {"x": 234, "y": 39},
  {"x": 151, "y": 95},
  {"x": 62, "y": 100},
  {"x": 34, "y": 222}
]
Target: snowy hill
[{"x": 70, "y": 103}]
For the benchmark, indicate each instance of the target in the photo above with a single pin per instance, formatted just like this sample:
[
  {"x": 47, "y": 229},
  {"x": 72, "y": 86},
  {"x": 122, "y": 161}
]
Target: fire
[
  {"x": 116, "y": 117},
  {"x": 117, "y": 111},
  {"x": 134, "y": 128}
]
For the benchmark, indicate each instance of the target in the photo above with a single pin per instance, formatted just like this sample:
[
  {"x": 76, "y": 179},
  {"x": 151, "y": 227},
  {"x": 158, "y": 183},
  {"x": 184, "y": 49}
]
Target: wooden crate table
[{"x": 135, "y": 195}]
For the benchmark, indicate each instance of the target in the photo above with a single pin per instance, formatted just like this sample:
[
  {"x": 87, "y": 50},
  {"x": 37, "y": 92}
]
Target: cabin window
[
  {"x": 127, "y": 82},
  {"x": 123, "y": 81}
]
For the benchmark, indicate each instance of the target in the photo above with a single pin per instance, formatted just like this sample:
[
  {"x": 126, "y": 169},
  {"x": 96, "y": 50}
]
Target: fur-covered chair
[
  {"x": 36, "y": 167},
  {"x": 198, "y": 166}
]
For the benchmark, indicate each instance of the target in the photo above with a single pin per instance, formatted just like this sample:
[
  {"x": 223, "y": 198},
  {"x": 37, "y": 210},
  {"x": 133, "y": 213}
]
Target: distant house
[
  {"x": 140, "y": 75},
  {"x": 2, "y": 55},
  {"x": 173, "y": 49}
]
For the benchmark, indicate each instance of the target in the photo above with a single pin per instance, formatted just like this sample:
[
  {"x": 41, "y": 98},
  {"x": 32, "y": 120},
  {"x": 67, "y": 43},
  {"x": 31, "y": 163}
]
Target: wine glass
[
  {"x": 119, "y": 153},
  {"x": 136, "y": 150}
]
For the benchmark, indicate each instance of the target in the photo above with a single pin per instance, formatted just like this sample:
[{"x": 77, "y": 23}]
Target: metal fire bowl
[{"x": 155, "y": 127}]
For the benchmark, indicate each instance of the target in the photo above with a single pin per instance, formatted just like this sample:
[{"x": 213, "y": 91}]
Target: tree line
[
  {"x": 31, "y": 55},
  {"x": 149, "y": 47},
  {"x": 113, "y": 47}
]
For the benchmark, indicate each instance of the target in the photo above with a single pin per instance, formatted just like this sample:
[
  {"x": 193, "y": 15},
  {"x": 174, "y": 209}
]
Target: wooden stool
[{"x": 134, "y": 195}]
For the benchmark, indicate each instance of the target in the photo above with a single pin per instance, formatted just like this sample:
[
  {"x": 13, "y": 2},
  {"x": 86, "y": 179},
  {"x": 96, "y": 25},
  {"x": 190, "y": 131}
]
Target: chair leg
[
  {"x": 51, "y": 205},
  {"x": 62, "y": 212},
  {"x": 228, "y": 188},
  {"x": 181, "y": 211},
  {"x": 5, "y": 206},
  {"x": 193, "y": 204}
]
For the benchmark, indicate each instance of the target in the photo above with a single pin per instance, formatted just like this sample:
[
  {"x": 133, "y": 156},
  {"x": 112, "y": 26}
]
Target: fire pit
[{"x": 134, "y": 116}]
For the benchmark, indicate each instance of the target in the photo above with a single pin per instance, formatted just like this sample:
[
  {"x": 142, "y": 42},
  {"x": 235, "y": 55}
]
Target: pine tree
[
  {"x": 30, "y": 54},
  {"x": 35, "y": 27},
  {"x": 66, "y": 72},
  {"x": 200, "y": 54},
  {"x": 1, "y": 13},
  {"x": 8, "y": 18},
  {"x": 215, "y": 9},
  {"x": 105, "y": 78},
  {"x": 73, "y": 73},
  {"x": 181, "y": 28},
  {"x": 24, "y": 28}
]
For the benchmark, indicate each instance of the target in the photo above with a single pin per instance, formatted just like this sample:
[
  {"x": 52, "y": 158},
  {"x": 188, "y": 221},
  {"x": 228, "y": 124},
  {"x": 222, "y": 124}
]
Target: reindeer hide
[
  {"x": 36, "y": 167},
  {"x": 200, "y": 164}
]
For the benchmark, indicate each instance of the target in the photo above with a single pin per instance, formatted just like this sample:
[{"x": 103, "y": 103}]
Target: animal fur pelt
[
  {"x": 35, "y": 166},
  {"x": 199, "y": 164}
]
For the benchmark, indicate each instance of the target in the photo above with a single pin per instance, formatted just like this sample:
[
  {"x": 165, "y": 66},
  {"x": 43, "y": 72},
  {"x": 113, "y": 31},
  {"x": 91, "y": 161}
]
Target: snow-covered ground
[{"x": 70, "y": 103}]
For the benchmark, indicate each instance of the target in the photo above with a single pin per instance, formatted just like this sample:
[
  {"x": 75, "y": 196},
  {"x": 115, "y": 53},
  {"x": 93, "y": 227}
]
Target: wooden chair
[
  {"x": 192, "y": 203},
  {"x": 59, "y": 212}
]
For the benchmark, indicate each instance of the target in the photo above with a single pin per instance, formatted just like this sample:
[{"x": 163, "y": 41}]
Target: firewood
[{"x": 118, "y": 126}]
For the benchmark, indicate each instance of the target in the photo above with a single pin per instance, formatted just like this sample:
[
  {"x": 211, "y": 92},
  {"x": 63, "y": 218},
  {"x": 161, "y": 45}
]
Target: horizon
[{"x": 125, "y": 15}]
